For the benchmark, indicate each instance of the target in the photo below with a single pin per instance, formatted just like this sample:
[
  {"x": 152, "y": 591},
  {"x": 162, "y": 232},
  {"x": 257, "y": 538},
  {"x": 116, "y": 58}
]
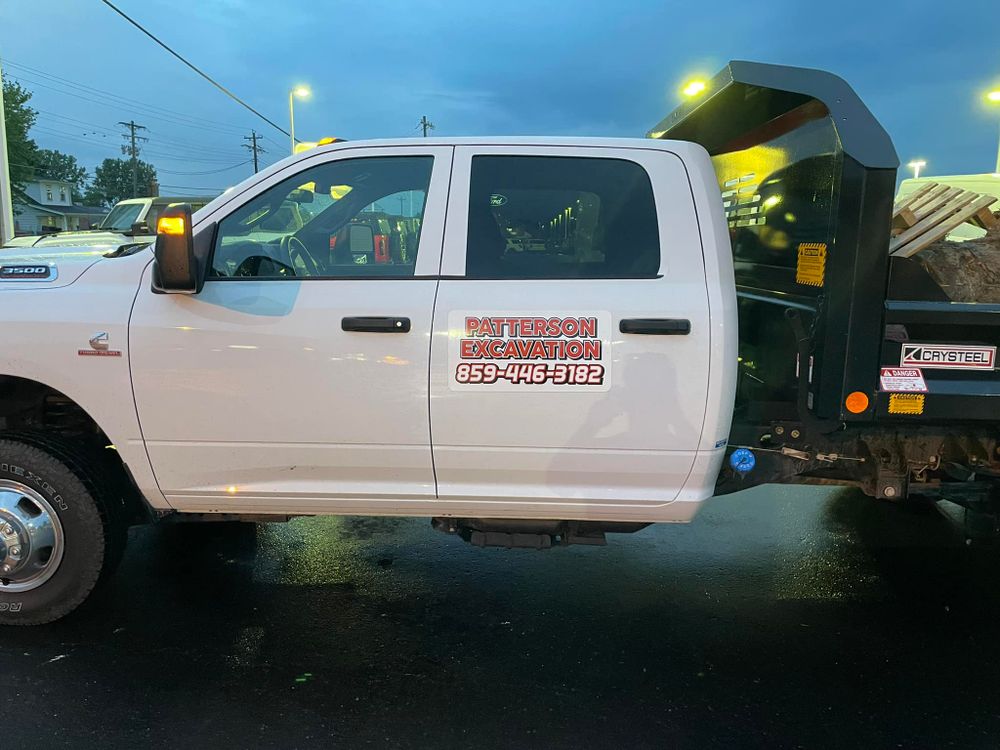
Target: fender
[{"x": 48, "y": 340}]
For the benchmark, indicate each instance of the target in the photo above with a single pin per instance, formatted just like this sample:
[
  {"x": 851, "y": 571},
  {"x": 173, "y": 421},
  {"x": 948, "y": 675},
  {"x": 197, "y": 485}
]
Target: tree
[
  {"x": 113, "y": 181},
  {"x": 56, "y": 165},
  {"x": 21, "y": 150}
]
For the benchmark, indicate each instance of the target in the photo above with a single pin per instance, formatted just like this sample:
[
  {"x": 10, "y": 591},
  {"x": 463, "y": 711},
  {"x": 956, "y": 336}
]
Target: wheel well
[{"x": 29, "y": 406}]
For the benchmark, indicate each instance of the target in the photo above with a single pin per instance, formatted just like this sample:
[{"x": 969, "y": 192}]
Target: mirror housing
[
  {"x": 176, "y": 270},
  {"x": 139, "y": 227}
]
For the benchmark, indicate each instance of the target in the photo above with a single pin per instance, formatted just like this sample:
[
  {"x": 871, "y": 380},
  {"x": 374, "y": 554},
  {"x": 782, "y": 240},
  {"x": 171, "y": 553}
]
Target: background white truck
[
  {"x": 129, "y": 221},
  {"x": 532, "y": 341}
]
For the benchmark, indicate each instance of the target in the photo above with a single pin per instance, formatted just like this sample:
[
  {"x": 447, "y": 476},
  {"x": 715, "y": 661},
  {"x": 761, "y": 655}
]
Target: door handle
[
  {"x": 656, "y": 326},
  {"x": 375, "y": 324}
]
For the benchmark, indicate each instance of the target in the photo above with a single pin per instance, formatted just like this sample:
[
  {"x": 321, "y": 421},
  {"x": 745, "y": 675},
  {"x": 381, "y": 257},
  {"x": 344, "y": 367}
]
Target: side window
[
  {"x": 352, "y": 217},
  {"x": 541, "y": 217}
]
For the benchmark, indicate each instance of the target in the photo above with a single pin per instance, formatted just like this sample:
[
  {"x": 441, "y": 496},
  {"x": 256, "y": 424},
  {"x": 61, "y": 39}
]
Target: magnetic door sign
[
  {"x": 948, "y": 356},
  {"x": 529, "y": 352}
]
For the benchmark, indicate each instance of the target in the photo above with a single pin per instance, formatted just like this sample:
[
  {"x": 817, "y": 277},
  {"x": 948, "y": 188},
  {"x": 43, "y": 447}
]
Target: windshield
[{"x": 121, "y": 217}]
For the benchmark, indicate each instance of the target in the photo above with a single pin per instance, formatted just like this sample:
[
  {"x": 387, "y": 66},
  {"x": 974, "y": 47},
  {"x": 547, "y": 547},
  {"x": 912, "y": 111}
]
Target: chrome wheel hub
[{"x": 31, "y": 538}]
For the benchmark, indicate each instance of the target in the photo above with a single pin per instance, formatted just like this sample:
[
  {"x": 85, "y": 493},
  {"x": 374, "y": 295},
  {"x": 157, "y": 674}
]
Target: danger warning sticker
[
  {"x": 538, "y": 351},
  {"x": 905, "y": 379},
  {"x": 948, "y": 356}
]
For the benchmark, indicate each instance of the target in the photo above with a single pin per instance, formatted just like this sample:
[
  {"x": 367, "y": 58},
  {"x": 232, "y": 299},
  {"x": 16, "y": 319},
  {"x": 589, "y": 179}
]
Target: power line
[
  {"x": 209, "y": 171},
  {"x": 193, "y": 67},
  {"x": 129, "y": 99},
  {"x": 170, "y": 156},
  {"x": 173, "y": 142},
  {"x": 107, "y": 99},
  {"x": 191, "y": 187}
]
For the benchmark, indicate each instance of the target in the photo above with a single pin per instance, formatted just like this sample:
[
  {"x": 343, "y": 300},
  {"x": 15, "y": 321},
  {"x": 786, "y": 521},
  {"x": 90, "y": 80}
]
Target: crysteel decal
[
  {"x": 948, "y": 356},
  {"x": 534, "y": 351}
]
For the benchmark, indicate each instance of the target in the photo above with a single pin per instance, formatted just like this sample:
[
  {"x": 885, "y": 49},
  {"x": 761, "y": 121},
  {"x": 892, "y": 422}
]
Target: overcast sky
[{"x": 549, "y": 67}]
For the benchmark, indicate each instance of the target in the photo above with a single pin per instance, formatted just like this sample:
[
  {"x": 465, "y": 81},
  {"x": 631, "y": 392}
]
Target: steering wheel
[{"x": 295, "y": 249}]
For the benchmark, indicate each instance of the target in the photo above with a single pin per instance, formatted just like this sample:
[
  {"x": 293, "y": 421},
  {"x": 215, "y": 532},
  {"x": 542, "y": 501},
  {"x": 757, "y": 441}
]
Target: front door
[
  {"x": 571, "y": 348},
  {"x": 297, "y": 379}
]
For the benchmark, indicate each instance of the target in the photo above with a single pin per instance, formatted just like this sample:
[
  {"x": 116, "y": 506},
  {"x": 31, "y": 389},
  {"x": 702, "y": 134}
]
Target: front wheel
[{"x": 56, "y": 535}]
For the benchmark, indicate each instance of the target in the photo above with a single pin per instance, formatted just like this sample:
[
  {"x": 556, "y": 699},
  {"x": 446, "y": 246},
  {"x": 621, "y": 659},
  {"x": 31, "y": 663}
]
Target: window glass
[
  {"x": 540, "y": 217},
  {"x": 351, "y": 217},
  {"x": 122, "y": 217}
]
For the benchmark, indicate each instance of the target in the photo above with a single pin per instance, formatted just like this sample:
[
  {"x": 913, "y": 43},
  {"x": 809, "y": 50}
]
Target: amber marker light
[
  {"x": 856, "y": 402},
  {"x": 170, "y": 225}
]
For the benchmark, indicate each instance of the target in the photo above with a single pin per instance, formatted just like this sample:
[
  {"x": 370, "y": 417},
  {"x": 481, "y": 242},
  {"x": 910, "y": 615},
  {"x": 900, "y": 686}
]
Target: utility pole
[
  {"x": 133, "y": 151},
  {"x": 6, "y": 207},
  {"x": 426, "y": 125},
  {"x": 252, "y": 146}
]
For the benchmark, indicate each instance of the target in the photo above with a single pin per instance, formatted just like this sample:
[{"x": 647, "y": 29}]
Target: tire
[{"x": 53, "y": 479}]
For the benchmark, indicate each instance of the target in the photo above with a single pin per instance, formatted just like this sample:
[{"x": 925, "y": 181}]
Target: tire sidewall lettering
[{"x": 53, "y": 495}]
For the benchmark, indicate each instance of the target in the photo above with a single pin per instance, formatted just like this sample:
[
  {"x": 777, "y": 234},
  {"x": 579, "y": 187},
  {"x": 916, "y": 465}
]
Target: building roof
[
  {"x": 75, "y": 209},
  {"x": 55, "y": 208}
]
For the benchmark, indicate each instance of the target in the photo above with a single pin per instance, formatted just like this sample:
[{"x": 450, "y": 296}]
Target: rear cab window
[{"x": 544, "y": 217}]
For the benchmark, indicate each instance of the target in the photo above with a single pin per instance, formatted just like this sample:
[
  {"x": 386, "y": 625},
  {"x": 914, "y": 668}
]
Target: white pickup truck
[{"x": 532, "y": 341}]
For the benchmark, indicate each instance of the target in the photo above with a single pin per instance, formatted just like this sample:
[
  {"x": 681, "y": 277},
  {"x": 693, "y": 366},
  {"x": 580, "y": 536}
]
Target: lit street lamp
[
  {"x": 693, "y": 88},
  {"x": 916, "y": 165},
  {"x": 302, "y": 92}
]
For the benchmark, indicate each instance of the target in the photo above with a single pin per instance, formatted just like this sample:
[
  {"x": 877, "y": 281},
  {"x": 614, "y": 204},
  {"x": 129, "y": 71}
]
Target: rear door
[{"x": 571, "y": 344}]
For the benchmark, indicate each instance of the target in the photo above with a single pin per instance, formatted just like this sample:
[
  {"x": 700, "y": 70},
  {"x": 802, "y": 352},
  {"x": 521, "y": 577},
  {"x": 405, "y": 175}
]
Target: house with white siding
[{"x": 47, "y": 206}]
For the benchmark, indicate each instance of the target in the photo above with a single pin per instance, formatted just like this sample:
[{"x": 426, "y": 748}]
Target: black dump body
[{"x": 807, "y": 177}]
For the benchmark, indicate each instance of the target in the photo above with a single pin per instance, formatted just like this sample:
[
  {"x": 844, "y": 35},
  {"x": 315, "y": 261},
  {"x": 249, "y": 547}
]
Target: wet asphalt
[{"x": 782, "y": 617}]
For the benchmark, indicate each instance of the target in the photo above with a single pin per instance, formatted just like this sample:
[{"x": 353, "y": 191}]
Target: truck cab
[{"x": 545, "y": 351}]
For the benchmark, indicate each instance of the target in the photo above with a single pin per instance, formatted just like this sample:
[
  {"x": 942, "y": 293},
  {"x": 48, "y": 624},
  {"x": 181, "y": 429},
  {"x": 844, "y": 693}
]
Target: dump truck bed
[{"x": 807, "y": 176}]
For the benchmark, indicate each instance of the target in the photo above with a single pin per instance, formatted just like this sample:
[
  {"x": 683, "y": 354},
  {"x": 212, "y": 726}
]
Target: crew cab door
[
  {"x": 570, "y": 361},
  {"x": 296, "y": 381}
]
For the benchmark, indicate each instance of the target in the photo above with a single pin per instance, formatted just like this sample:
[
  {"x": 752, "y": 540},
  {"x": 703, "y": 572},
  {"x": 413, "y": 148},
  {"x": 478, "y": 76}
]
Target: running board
[{"x": 531, "y": 534}]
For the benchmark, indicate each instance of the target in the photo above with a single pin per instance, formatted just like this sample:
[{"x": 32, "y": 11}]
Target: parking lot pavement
[{"x": 782, "y": 617}]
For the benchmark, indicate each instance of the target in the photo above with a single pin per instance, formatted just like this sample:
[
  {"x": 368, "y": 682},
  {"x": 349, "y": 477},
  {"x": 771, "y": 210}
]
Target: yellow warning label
[
  {"x": 810, "y": 268},
  {"x": 906, "y": 403}
]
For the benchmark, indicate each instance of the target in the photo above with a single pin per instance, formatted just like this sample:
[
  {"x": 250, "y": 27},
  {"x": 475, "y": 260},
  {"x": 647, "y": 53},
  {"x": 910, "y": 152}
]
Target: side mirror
[
  {"x": 176, "y": 269},
  {"x": 139, "y": 227}
]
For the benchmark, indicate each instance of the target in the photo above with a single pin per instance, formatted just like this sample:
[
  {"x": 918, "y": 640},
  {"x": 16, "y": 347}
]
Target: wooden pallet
[{"x": 932, "y": 211}]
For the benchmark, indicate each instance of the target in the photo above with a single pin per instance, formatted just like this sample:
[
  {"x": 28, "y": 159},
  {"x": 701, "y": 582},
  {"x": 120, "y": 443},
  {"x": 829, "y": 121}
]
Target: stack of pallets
[{"x": 932, "y": 211}]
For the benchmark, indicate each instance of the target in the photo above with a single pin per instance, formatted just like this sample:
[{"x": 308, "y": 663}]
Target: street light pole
[
  {"x": 6, "y": 205},
  {"x": 993, "y": 97},
  {"x": 299, "y": 91},
  {"x": 291, "y": 117}
]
